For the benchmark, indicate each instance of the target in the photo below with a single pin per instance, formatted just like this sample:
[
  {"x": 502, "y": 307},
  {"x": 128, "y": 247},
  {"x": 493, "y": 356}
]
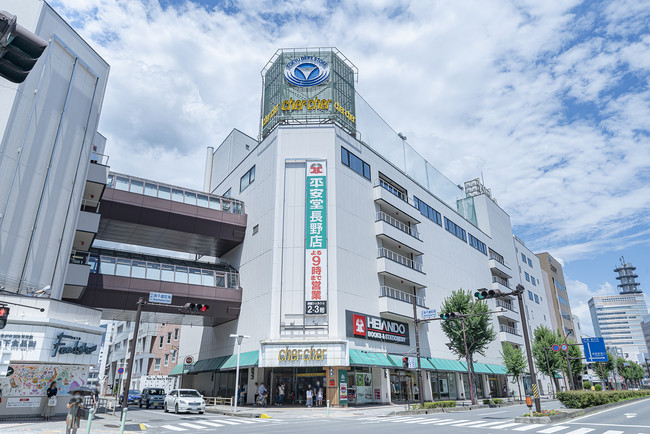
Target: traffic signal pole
[
  {"x": 469, "y": 371},
  {"x": 519, "y": 292},
  {"x": 129, "y": 369}
]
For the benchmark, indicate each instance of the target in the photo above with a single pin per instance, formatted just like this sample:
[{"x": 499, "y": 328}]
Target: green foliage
[
  {"x": 632, "y": 372},
  {"x": 435, "y": 404},
  {"x": 497, "y": 401},
  {"x": 487, "y": 401},
  {"x": 543, "y": 413},
  {"x": 603, "y": 369},
  {"x": 598, "y": 387},
  {"x": 478, "y": 329},
  {"x": 544, "y": 337},
  {"x": 584, "y": 399},
  {"x": 575, "y": 354},
  {"x": 513, "y": 360},
  {"x": 586, "y": 385}
]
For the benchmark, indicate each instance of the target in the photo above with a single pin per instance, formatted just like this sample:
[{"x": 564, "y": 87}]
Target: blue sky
[{"x": 548, "y": 100}]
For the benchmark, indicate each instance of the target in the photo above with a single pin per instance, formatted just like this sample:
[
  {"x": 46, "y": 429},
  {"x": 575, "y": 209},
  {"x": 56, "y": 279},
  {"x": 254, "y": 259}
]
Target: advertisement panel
[
  {"x": 316, "y": 238},
  {"x": 359, "y": 325},
  {"x": 343, "y": 387}
]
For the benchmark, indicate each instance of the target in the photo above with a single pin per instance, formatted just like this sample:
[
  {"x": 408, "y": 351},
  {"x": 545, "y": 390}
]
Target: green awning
[
  {"x": 395, "y": 360},
  {"x": 426, "y": 364},
  {"x": 178, "y": 370},
  {"x": 246, "y": 360},
  {"x": 558, "y": 375},
  {"x": 498, "y": 369},
  {"x": 369, "y": 358},
  {"x": 208, "y": 365},
  {"x": 479, "y": 368},
  {"x": 447, "y": 365}
]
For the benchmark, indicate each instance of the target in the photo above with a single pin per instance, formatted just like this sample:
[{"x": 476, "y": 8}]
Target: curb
[
  {"x": 451, "y": 409},
  {"x": 572, "y": 413}
]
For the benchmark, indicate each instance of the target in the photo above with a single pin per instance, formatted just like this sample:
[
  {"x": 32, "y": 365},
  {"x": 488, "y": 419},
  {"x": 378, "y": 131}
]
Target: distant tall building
[
  {"x": 556, "y": 295},
  {"x": 618, "y": 318}
]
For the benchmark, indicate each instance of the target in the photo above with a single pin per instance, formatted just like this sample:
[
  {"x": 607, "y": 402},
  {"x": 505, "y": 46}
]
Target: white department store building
[{"x": 346, "y": 224}]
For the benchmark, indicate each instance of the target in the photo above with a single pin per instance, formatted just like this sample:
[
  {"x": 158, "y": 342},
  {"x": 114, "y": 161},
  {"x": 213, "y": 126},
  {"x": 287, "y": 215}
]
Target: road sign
[
  {"x": 160, "y": 297},
  {"x": 120, "y": 371},
  {"x": 429, "y": 314},
  {"x": 555, "y": 347},
  {"x": 189, "y": 360},
  {"x": 564, "y": 347},
  {"x": 413, "y": 363},
  {"x": 594, "y": 349}
]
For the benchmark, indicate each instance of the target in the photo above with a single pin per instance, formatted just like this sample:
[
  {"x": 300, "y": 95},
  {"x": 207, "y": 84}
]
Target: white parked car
[{"x": 184, "y": 400}]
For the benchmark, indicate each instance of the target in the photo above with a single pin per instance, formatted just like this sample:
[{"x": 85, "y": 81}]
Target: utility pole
[
  {"x": 572, "y": 386},
  {"x": 129, "y": 369},
  {"x": 417, "y": 346},
  {"x": 519, "y": 292},
  {"x": 548, "y": 368},
  {"x": 469, "y": 371}
]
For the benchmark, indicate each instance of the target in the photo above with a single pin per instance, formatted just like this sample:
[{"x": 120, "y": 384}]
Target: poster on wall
[
  {"x": 364, "y": 387},
  {"x": 33, "y": 380},
  {"x": 316, "y": 238},
  {"x": 23, "y": 402},
  {"x": 343, "y": 386}
]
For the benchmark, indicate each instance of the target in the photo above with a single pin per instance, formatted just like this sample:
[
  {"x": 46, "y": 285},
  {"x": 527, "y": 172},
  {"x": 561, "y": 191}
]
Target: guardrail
[
  {"x": 396, "y": 257},
  {"x": 147, "y": 187},
  {"x": 214, "y": 401},
  {"x": 397, "y": 294},
  {"x": 410, "y": 230}
]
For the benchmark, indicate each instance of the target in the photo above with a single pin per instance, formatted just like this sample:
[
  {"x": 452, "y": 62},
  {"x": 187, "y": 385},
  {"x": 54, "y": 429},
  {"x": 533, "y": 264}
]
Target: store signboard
[
  {"x": 343, "y": 387},
  {"x": 316, "y": 238},
  {"x": 277, "y": 354},
  {"x": 371, "y": 327}
]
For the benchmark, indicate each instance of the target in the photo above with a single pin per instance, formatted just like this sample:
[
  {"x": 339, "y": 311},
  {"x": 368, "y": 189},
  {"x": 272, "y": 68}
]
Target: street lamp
[{"x": 240, "y": 338}]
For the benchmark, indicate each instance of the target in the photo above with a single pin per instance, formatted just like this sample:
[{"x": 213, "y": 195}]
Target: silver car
[{"x": 184, "y": 400}]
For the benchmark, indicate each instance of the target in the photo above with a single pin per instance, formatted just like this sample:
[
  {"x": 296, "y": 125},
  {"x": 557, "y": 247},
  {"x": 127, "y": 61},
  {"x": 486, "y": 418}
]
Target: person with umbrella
[{"x": 75, "y": 409}]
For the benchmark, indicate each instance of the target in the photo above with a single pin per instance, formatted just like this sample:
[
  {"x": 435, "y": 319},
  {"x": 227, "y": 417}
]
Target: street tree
[
  {"x": 478, "y": 328},
  {"x": 515, "y": 363},
  {"x": 544, "y": 337},
  {"x": 603, "y": 369},
  {"x": 575, "y": 356}
]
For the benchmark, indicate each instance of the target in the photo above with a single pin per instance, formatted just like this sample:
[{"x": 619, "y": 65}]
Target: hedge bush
[
  {"x": 437, "y": 404},
  {"x": 598, "y": 387},
  {"x": 586, "y": 385},
  {"x": 497, "y": 401},
  {"x": 584, "y": 399},
  {"x": 487, "y": 401}
]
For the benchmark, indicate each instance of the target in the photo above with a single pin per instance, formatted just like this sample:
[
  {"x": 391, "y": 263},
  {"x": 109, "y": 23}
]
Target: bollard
[
  {"x": 328, "y": 408},
  {"x": 124, "y": 410},
  {"x": 91, "y": 413}
]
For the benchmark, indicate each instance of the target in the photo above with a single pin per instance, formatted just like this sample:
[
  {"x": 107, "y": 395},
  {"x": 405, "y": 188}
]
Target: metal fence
[
  {"x": 412, "y": 231},
  {"x": 396, "y": 257}
]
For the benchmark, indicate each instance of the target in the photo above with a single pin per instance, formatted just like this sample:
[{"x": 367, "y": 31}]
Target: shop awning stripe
[
  {"x": 246, "y": 360},
  {"x": 497, "y": 369},
  {"x": 207, "y": 365},
  {"x": 178, "y": 370},
  {"x": 369, "y": 358},
  {"x": 447, "y": 365}
]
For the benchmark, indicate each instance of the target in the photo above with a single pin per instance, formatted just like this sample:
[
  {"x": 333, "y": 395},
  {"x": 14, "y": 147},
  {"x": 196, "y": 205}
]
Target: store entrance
[{"x": 296, "y": 381}]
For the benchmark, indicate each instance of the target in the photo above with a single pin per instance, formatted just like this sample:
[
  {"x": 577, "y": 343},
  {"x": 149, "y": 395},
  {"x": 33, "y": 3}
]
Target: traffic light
[
  {"x": 405, "y": 362},
  {"x": 484, "y": 293},
  {"x": 449, "y": 315},
  {"x": 19, "y": 49},
  {"x": 194, "y": 308},
  {"x": 4, "y": 314}
]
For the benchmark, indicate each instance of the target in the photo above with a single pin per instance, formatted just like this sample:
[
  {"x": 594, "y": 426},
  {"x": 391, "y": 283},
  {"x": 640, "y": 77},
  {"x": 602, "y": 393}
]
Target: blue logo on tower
[{"x": 307, "y": 71}]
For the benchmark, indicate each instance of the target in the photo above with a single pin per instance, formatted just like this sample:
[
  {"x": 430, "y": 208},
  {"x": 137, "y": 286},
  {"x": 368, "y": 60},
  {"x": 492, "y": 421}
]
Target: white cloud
[
  {"x": 474, "y": 88},
  {"x": 579, "y": 295}
]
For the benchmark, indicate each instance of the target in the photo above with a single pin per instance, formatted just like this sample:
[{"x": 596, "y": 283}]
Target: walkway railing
[
  {"x": 146, "y": 187},
  {"x": 412, "y": 231},
  {"x": 396, "y": 257}
]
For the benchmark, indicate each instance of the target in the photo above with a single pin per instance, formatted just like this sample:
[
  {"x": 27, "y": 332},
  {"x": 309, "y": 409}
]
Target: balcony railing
[
  {"x": 135, "y": 268},
  {"x": 169, "y": 192},
  {"x": 79, "y": 258},
  {"x": 99, "y": 159},
  {"x": 504, "y": 282},
  {"x": 508, "y": 329},
  {"x": 387, "y": 291},
  {"x": 393, "y": 190},
  {"x": 396, "y": 257},
  {"x": 412, "y": 231},
  {"x": 494, "y": 255},
  {"x": 90, "y": 205},
  {"x": 506, "y": 305}
]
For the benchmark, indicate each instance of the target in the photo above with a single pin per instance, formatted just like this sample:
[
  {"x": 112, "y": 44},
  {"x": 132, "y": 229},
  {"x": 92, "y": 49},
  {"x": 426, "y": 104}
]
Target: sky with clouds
[{"x": 549, "y": 100}]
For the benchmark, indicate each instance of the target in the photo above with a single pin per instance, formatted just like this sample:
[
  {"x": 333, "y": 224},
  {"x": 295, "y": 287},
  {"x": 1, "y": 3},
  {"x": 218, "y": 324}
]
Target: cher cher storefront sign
[{"x": 289, "y": 355}]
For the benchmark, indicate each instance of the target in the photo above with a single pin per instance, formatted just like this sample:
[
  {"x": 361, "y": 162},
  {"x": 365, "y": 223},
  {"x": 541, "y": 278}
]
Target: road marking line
[
  {"x": 173, "y": 428},
  {"x": 486, "y": 424},
  {"x": 613, "y": 432},
  {"x": 191, "y": 425},
  {"x": 504, "y": 426},
  {"x": 453, "y": 421},
  {"x": 143, "y": 427},
  {"x": 618, "y": 425},
  {"x": 416, "y": 420},
  {"x": 526, "y": 427},
  {"x": 243, "y": 420},
  {"x": 494, "y": 412},
  {"x": 581, "y": 431},
  {"x": 475, "y": 423},
  {"x": 229, "y": 422},
  {"x": 553, "y": 429},
  {"x": 390, "y": 419},
  {"x": 436, "y": 421},
  {"x": 205, "y": 422},
  {"x": 402, "y": 419},
  {"x": 610, "y": 409}
]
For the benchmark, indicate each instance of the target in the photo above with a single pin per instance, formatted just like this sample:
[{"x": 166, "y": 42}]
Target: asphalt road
[{"x": 630, "y": 418}]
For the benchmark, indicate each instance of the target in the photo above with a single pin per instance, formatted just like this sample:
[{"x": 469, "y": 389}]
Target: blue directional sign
[
  {"x": 595, "y": 350},
  {"x": 429, "y": 314},
  {"x": 160, "y": 297}
]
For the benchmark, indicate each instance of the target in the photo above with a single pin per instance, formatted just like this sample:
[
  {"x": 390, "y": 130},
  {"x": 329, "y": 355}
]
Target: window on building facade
[
  {"x": 160, "y": 342},
  {"x": 530, "y": 263},
  {"x": 427, "y": 211},
  {"x": 355, "y": 163},
  {"x": 455, "y": 229},
  {"x": 536, "y": 299},
  {"x": 393, "y": 187},
  {"x": 477, "y": 244},
  {"x": 533, "y": 281},
  {"x": 523, "y": 258},
  {"x": 247, "y": 179},
  {"x": 156, "y": 364},
  {"x": 530, "y": 295},
  {"x": 166, "y": 359},
  {"x": 176, "y": 331},
  {"x": 169, "y": 337},
  {"x": 174, "y": 357},
  {"x": 527, "y": 276},
  {"x": 228, "y": 193}
]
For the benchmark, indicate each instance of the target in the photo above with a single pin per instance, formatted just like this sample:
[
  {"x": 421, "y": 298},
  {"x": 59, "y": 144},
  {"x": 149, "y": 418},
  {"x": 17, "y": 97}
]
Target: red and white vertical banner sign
[{"x": 316, "y": 238}]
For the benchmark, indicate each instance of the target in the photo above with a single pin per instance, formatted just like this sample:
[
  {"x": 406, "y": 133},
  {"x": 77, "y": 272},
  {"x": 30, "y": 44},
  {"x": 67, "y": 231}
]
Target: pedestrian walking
[
  {"x": 310, "y": 396},
  {"x": 96, "y": 399},
  {"x": 319, "y": 396},
  {"x": 281, "y": 393},
  {"x": 72, "y": 421},
  {"x": 50, "y": 403}
]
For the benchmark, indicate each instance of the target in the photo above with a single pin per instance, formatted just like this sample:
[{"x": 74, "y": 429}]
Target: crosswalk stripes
[
  {"x": 613, "y": 432},
  {"x": 191, "y": 425},
  {"x": 202, "y": 424},
  {"x": 525, "y": 428},
  {"x": 553, "y": 429},
  {"x": 581, "y": 431},
  {"x": 453, "y": 422},
  {"x": 172, "y": 428},
  {"x": 208, "y": 423}
]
